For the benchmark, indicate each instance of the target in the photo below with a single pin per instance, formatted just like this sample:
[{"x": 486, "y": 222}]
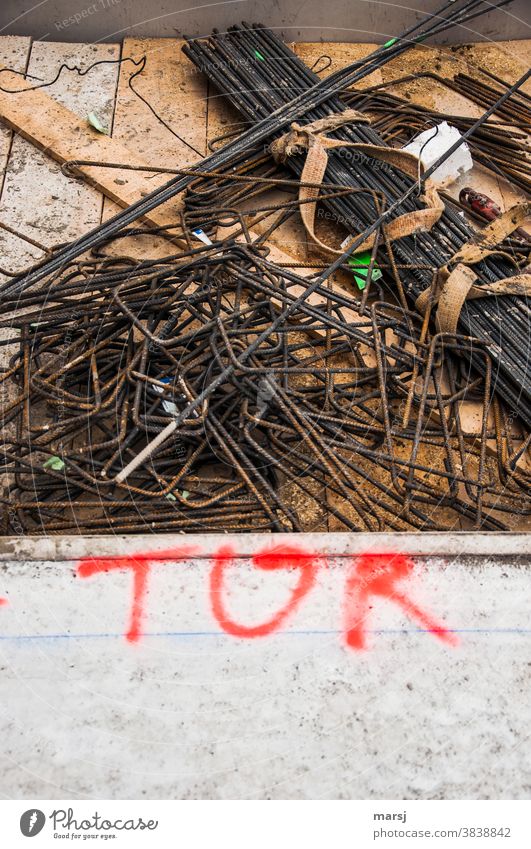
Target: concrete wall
[
  {"x": 189, "y": 711},
  {"x": 340, "y": 20}
]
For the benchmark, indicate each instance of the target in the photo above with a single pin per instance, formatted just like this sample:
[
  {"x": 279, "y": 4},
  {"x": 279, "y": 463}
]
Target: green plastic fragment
[
  {"x": 171, "y": 497},
  {"x": 95, "y": 122},
  {"x": 390, "y": 42},
  {"x": 360, "y": 269},
  {"x": 54, "y": 463},
  {"x": 259, "y": 55}
]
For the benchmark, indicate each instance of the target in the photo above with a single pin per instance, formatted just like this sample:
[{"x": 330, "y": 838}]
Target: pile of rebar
[
  {"x": 306, "y": 415},
  {"x": 259, "y": 74},
  {"x": 216, "y": 389}
]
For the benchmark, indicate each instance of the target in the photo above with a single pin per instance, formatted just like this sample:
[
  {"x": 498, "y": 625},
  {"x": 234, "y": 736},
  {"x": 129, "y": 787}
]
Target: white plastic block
[{"x": 431, "y": 144}]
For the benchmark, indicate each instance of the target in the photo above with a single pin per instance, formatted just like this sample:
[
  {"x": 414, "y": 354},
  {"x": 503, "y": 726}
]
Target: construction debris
[
  {"x": 204, "y": 392},
  {"x": 225, "y": 58},
  {"x": 380, "y": 383}
]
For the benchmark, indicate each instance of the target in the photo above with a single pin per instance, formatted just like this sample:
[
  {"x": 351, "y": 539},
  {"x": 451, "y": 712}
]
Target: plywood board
[
  {"x": 176, "y": 92},
  {"x": 327, "y": 57},
  {"x": 51, "y": 205},
  {"x": 14, "y": 53},
  {"x": 508, "y": 60}
]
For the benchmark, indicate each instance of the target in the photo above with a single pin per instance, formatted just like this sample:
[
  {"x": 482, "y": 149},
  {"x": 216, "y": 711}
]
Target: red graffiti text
[{"x": 370, "y": 576}]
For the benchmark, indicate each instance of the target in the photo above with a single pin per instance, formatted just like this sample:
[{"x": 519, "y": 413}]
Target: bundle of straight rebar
[
  {"x": 501, "y": 146},
  {"x": 516, "y": 110},
  {"x": 259, "y": 74}
]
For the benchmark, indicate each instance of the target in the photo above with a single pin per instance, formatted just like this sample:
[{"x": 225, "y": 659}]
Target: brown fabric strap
[
  {"x": 486, "y": 242},
  {"x": 297, "y": 139},
  {"x": 311, "y": 137},
  {"x": 459, "y": 285}
]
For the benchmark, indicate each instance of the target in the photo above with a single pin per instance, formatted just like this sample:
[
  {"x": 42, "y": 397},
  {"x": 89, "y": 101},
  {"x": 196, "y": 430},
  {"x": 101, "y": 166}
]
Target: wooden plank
[
  {"x": 506, "y": 59},
  {"x": 426, "y": 58}
]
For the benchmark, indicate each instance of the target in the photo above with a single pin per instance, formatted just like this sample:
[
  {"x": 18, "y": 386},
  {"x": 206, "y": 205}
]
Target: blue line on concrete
[{"x": 178, "y": 634}]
